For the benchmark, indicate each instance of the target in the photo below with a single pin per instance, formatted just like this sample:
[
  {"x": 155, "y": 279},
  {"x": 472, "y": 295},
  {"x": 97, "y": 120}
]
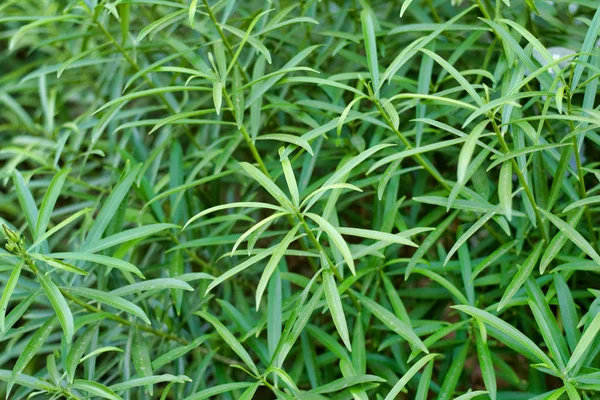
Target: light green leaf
[
  {"x": 505, "y": 189},
  {"x": 228, "y": 337},
  {"x": 506, "y": 329},
  {"x": 162, "y": 23},
  {"x": 100, "y": 259},
  {"x": 268, "y": 184},
  {"x": 153, "y": 284},
  {"x": 573, "y": 235},
  {"x": 126, "y": 236},
  {"x": 466, "y": 152},
  {"x": 376, "y": 235},
  {"x": 336, "y": 238},
  {"x": 521, "y": 276},
  {"x": 391, "y": 321},
  {"x": 33, "y": 346},
  {"x": 218, "y": 389},
  {"x": 77, "y": 351},
  {"x": 243, "y": 204},
  {"x": 149, "y": 380},
  {"x": 110, "y": 300},
  {"x": 140, "y": 355},
  {"x": 584, "y": 343},
  {"x": 343, "y": 383},
  {"x": 366, "y": 19},
  {"x": 283, "y": 137},
  {"x": 336, "y": 309},
  {"x": 274, "y": 262},
  {"x": 54, "y": 190},
  {"x": 111, "y": 205},
  {"x": 239, "y": 268},
  {"x": 398, "y": 386},
  {"x": 7, "y": 292},
  {"x": 58, "y": 264},
  {"x": 94, "y": 388},
  {"x": 59, "y": 304}
]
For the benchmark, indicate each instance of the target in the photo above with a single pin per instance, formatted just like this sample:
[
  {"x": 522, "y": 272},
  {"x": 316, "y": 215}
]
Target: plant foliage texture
[{"x": 299, "y": 199}]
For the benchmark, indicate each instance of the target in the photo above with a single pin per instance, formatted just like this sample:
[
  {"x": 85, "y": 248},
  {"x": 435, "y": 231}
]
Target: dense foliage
[{"x": 299, "y": 199}]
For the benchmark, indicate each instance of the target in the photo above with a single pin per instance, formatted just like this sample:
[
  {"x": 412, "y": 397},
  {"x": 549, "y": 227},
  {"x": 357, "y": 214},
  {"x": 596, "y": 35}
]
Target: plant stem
[
  {"x": 434, "y": 173},
  {"x": 522, "y": 180}
]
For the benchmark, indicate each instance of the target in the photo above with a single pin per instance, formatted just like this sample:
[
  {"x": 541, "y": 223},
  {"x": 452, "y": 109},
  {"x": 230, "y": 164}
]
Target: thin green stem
[
  {"x": 522, "y": 180},
  {"x": 434, "y": 173},
  {"x": 224, "y": 39}
]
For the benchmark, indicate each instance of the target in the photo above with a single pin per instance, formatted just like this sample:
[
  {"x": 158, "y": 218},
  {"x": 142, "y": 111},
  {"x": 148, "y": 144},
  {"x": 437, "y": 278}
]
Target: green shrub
[{"x": 299, "y": 199}]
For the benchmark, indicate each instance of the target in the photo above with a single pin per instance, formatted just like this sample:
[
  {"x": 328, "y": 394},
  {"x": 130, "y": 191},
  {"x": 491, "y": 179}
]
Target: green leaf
[
  {"x": 77, "y": 351},
  {"x": 99, "y": 259},
  {"x": 336, "y": 238},
  {"x": 405, "y": 5},
  {"x": 290, "y": 179},
  {"x": 505, "y": 189},
  {"x": 54, "y": 190},
  {"x": 523, "y": 151},
  {"x": 26, "y": 201},
  {"x": 567, "y": 310},
  {"x": 162, "y": 23},
  {"x": 283, "y": 137},
  {"x": 466, "y": 153},
  {"x": 247, "y": 38},
  {"x": 429, "y": 241},
  {"x": 454, "y": 372},
  {"x": 376, "y": 235},
  {"x": 506, "y": 329},
  {"x": 584, "y": 343},
  {"x": 268, "y": 184},
  {"x": 58, "y": 227},
  {"x": 111, "y": 205},
  {"x": 228, "y": 337},
  {"x": 486, "y": 365},
  {"x": 586, "y": 49},
  {"x": 126, "y": 236},
  {"x": 573, "y": 235},
  {"x": 343, "y": 383},
  {"x": 391, "y": 321},
  {"x": 59, "y": 304},
  {"x": 192, "y": 12},
  {"x": 470, "y": 232},
  {"x": 58, "y": 264},
  {"x": 100, "y": 351},
  {"x": 152, "y": 92},
  {"x": 581, "y": 203},
  {"x": 521, "y": 276},
  {"x": 218, "y": 95},
  {"x": 456, "y": 75},
  {"x": 274, "y": 262},
  {"x": 218, "y": 389},
  {"x": 110, "y": 300},
  {"x": 33, "y": 346},
  {"x": 94, "y": 388},
  {"x": 152, "y": 284},
  {"x": 469, "y": 395},
  {"x": 398, "y": 386},
  {"x": 558, "y": 241},
  {"x": 140, "y": 355},
  {"x": 149, "y": 380},
  {"x": 239, "y": 268},
  {"x": 243, "y": 204},
  {"x": 346, "y": 168},
  {"x": 7, "y": 292},
  {"x": 366, "y": 19},
  {"x": 335, "y": 307}
]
